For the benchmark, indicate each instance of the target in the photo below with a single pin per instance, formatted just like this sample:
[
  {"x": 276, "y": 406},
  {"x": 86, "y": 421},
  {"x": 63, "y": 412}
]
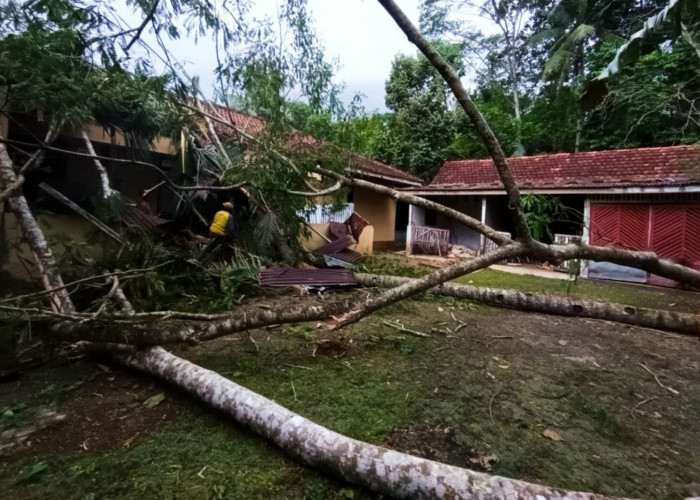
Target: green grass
[
  {"x": 606, "y": 291},
  {"x": 498, "y": 396}
]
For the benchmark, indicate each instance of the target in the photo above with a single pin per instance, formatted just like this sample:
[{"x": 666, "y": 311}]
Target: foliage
[
  {"x": 651, "y": 103},
  {"x": 540, "y": 212},
  {"x": 390, "y": 267},
  {"x": 422, "y": 124}
]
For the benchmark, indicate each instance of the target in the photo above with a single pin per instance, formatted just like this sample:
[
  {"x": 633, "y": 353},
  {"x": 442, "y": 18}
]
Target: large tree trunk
[
  {"x": 147, "y": 330},
  {"x": 373, "y": 467},
  {"x": 552, "y": 304},
  {"x": 481, "y": 126},
  {"x": 60, "y": 299},
  {"x": 431, "y": 280}
]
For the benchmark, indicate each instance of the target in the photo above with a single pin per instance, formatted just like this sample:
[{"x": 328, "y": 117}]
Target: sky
[
  {"x": 359, "y": 34},
  {"x": 365, "y": 40}
]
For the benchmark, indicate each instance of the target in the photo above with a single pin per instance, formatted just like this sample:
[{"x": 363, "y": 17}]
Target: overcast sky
[
  {"x": 365, "y": 40},
  {"x": 358, "y": 33}
]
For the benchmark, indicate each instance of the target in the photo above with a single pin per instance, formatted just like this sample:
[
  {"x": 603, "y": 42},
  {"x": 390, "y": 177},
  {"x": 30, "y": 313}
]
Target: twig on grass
[
  {"x": 670, "y": 389},
  {"x": 643, "y": 402},
  {"x": 403, "y": 329},
  {"x": 498, "y": 391}
]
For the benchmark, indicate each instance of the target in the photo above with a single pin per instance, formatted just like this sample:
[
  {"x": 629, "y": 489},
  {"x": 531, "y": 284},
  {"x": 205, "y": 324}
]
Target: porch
[{"x": 491, "y": 210}]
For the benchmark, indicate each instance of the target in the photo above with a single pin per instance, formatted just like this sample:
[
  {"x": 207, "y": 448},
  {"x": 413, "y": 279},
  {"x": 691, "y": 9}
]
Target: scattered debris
[
  {"x": 669, "y": 389},
  {"x": 553, "y": 435},
  {"x": 403, "y": 329},
  {"x": 485, "y": 461},
  {"x": 280, "y": 276},
  {"x": 154, "y": 401}
]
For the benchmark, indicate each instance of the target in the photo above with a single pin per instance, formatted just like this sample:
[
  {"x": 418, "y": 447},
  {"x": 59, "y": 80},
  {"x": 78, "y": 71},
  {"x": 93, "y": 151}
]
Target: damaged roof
[
  {"x": 358, "y": 164},
  {"x": 620, "y": 168}
]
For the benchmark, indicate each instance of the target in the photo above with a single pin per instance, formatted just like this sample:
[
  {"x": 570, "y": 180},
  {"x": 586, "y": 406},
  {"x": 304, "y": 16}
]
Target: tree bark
[
  {"x": 418, "y": 201},
  {"x": 431, "y": 280},
  {"x": 378, "y": 469},
  {"x": 60, "y": 299},
  {"x": 101, "y": 170},
  {"x": 33, "y": 162},
  {"x": 156, "y": 332},
  {"x": 551, "y": 304}
]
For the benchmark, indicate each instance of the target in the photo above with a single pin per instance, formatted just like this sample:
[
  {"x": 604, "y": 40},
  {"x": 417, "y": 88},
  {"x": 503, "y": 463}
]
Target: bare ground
[{"x": 620, "y": 402}]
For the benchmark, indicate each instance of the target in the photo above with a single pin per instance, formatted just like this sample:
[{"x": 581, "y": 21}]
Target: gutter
[{"x": 623, "y": 190}]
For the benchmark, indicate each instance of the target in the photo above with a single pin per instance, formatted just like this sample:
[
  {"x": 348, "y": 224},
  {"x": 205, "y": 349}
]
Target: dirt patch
[
  {"x": 103, "y": 411},
  {"x": 439, "y": 443}
]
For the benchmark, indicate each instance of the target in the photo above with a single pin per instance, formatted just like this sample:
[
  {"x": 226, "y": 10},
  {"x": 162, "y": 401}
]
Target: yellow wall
[
  {"x": 314, "y": 241},
  {"x": 19, "y": 261},
  {"x": 378, "y": 210},
  {"x": 97, "y": 134}
]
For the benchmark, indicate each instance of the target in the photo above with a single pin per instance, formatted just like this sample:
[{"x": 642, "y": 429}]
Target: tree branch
[
  {"x": 322, "y": 192},
  {"x": 481, "y": 126},
  {"x": 418, "y": 201},
  {"x": 685, "y": 323},
  {"x": 156, "y": 332},
  {"x": 149, "y": 16},
  {"x": 33, "y": 162},
  {"x": 129, "y": 162},
  {"x": 429, "y": 281}
]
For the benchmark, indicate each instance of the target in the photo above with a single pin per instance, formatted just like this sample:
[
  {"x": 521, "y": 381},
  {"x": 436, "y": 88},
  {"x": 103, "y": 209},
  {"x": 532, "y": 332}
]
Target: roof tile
[{"x": 661, "y": 166}]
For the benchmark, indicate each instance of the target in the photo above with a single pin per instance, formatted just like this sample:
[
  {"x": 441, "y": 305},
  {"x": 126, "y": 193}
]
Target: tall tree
[{"x": 423, "y": 124}]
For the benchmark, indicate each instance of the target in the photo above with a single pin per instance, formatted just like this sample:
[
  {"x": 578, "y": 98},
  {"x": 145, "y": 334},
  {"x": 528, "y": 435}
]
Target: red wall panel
[
  {"x": 675, "y": 232},
  {"x": 620, "y": 225}
]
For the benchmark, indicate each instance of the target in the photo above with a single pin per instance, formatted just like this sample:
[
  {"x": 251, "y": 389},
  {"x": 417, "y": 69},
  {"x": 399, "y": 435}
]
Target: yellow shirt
[{"x": 218, "y": 226}]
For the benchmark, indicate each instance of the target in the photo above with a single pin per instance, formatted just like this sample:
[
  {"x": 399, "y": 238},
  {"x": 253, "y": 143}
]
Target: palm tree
[{"x": 570, "y": 24}]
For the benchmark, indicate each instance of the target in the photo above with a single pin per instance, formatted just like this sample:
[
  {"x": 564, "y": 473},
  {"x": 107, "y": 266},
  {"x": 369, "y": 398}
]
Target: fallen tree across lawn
[
  {"x": 552, "y": 304},
  {"x": 373, "y": 467}
]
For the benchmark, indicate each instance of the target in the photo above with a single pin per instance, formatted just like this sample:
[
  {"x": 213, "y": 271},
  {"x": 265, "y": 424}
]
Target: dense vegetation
[{"x": 528, "y": 82}]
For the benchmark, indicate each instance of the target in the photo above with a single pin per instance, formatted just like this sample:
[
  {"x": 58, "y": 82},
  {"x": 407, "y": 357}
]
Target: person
[
  {"x": 221, "y": 230},
  {"x": 222, "y": 225}
]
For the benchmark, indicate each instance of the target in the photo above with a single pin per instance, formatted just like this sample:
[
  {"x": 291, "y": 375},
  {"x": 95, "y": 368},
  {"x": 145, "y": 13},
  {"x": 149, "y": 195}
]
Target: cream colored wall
[
  {"x": 378, "y": 210},
  {"x": 19, "y": 261},
  {"x": 96, "y": 133},
  {"x": 314, "y": 240}
]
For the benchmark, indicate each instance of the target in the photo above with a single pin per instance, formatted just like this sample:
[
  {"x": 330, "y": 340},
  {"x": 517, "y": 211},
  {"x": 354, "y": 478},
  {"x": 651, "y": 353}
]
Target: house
[
  {"x": 642, "y": 199},
  {"x": 387, "y": 217},
  {"x": 77, "y": 179}
]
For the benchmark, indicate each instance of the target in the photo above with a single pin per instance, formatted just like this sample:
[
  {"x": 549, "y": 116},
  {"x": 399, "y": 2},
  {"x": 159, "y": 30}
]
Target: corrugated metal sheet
[
  {"x": 347, "y": 255},
  {"x": 357, "y": 223},
  {"x": 338, "y": 229},
  {"x": 337, "y": 246},
  {"x": 280, "y": 276}
]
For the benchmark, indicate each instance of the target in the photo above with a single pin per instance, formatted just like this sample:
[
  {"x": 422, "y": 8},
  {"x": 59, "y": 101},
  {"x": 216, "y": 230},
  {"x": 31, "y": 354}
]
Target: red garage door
[
  {"x": 624, "y": 226},
  {"x": 672, "y": 231},
  {"x": 675, "y": 235}
]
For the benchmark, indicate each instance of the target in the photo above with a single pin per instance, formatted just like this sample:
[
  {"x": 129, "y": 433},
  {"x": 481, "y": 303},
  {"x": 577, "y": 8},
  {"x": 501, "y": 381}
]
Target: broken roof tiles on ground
[
  {"x": 643, "y": 167},
  {"x": 279, "y": 276}
]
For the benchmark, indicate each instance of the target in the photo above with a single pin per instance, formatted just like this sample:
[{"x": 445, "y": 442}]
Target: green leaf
[
  {"x": 31, "y": 472},
  {"x": 154, "y": 401}
]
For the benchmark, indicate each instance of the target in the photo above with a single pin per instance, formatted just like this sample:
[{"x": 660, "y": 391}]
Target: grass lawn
[
  {"x": 607, "y": 291},
  {"x": 480, "y": 397}
]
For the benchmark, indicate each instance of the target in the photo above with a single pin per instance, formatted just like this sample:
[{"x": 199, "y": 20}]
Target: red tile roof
[
  {"x": 371, "y": 167},
  {"x": 254, "y": 125},
  {"x": 643, "y": 167}
]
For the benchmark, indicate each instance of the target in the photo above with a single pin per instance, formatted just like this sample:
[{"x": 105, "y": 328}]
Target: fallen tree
[
  {"x": 373, "y": 467},
  {"x": 685, "y": 323}
]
